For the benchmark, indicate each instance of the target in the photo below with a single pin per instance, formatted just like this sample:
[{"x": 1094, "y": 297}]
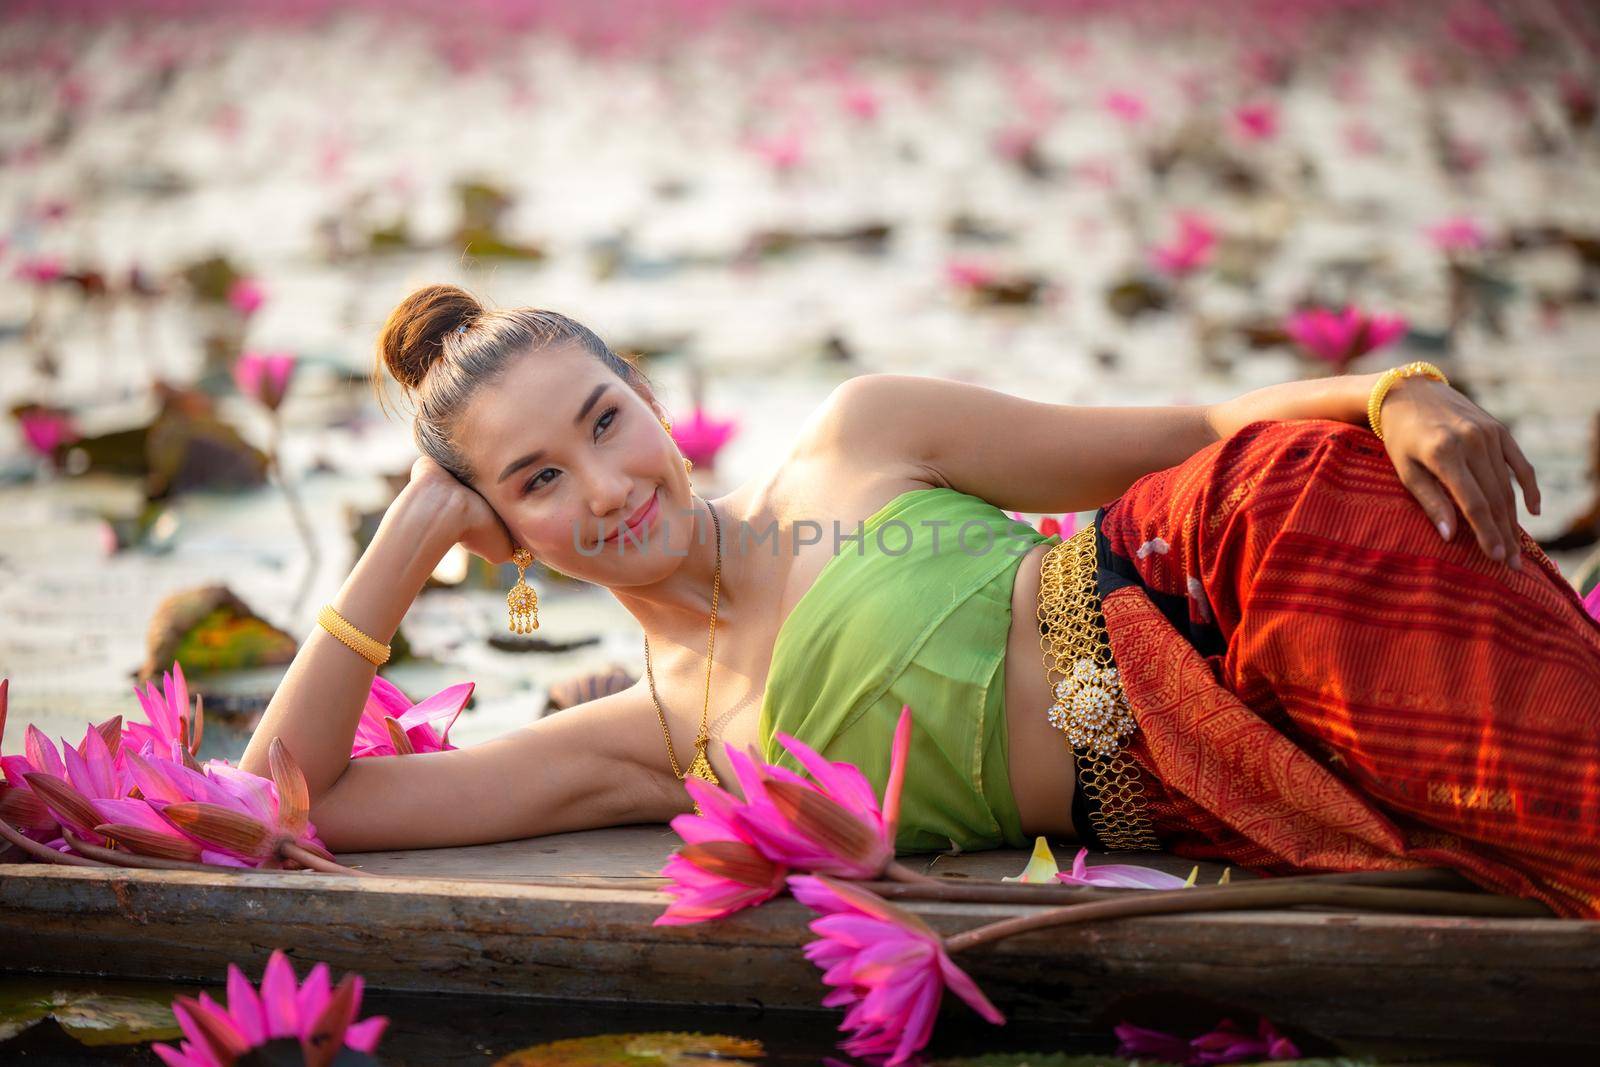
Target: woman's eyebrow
[{"x": 533, "y": 457}]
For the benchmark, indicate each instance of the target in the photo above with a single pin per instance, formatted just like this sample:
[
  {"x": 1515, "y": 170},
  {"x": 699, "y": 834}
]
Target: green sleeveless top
[{"x": 916, "y": 612}]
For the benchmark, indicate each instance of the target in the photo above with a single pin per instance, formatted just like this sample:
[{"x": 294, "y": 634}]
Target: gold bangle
[
  {"x": 366, "y": 647},
  {"x": 1386, "y": 381}
]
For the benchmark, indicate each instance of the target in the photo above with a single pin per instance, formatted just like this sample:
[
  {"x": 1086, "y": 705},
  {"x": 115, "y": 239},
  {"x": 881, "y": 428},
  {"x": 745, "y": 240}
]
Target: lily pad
[
  {"x": 208, "y": 628},
  {"x": 656, "y": 1049},
  {"x": 93, "y": 1019}
]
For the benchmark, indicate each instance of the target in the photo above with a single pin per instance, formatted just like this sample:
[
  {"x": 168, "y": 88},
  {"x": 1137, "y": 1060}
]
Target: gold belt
[{"x": 1091, "y": 707}]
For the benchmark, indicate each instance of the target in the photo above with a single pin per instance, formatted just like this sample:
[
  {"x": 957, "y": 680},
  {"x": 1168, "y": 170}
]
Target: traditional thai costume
[{"x": 1294, "y": 672}]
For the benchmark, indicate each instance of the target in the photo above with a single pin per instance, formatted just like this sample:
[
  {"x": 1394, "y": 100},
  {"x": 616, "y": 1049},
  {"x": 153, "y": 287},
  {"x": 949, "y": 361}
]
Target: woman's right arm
[{"x": 571, "y": 771}]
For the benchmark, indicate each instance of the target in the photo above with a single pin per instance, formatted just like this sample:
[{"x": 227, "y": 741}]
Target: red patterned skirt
[{"x": 1322, "y": 683}]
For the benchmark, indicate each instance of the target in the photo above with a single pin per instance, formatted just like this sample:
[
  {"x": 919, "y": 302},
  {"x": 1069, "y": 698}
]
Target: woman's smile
[{"x": 640, "y": 521}]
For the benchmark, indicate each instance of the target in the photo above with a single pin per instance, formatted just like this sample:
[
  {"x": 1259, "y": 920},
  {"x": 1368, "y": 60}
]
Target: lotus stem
[
  {"x": 42, "y": 851},
  {"x": 951, "y": 891},
  {"x": 302, "y": 525},
  {"x": 134, "y": 859},
  {"x": 903, "y": 875},
  {"x": 1251, "y": 898},
  {"x": 307, "y": 858}
]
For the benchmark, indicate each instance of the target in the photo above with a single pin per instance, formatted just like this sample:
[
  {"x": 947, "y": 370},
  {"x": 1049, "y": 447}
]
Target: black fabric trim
[{"x": 1114, "y": 571}]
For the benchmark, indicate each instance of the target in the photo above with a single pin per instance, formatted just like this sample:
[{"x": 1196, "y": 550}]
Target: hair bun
[{"x": 412, "y": 339}]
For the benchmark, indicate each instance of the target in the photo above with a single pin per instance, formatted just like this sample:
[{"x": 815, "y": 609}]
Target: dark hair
[{"x": 442, "y": 346}]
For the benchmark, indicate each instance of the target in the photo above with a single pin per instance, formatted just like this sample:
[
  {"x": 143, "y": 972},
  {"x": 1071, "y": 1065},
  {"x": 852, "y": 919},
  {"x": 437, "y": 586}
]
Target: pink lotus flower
[
  {"x": 831, "y": 824},
  {"x": 719, "y": 870},
  {"x": 1342, "y": 337},
  {"x": 45, "y": 430},
  {"x": 262, "y": 822},
  {"x": 135, "y": 825},
  {"x": 1458, "y": 234},
  {"x": 1591, "y": 603},
  {"x": 138, "y": 825},
  {"x": 172, "y": 726},
  {"x": 40, "y": 270},
  {"x": 1190, "y": 249},
  {"x": 782, "y": 152},
  {"x": 1226, "y": 1044},
  {"x": 1049, "y": 526},
  {"x": 264, "y": 376},
  {"x": 1129, "y": 107},
  {"x": 860, "y": 101},
  {"x": 889, "y": 970},
  {"x": 702, "y": 437},
  {"x": 68, "y": 780},
  {"x": 969, "y": 274},
  {"x": 246, "y": 296},
  {"x": 1117, "y": 875},
  {"x": 1256, "y": 122},
  {"x": 317, "y": 1014},
  {"x": 391, "y": 725},
  {"x": 19, "y": 807}
]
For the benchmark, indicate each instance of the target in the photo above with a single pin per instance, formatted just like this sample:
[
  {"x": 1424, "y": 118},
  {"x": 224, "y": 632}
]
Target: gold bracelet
[
  {"x": 366, "y": 647},
  {"x": 1386, "y": 381}
]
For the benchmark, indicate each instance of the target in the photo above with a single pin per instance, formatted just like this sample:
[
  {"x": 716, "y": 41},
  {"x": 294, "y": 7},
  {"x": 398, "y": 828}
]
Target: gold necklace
[{"x": 701, "y": 767}]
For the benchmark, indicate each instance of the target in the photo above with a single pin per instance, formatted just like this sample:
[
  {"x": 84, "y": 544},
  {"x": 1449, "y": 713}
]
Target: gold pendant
[{"x": 701, "y": 769}]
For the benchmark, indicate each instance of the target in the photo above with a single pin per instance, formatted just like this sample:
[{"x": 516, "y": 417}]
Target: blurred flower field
[{"x": 205, "y": 215}]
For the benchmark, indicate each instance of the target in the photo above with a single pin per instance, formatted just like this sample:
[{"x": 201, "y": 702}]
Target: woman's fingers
[
  {"x": 1493, "y": 480},
  {"x": 1507, "y": 480},
  {"x": 1456, "y": 473},
  {"x": 1431, "y": 495},
  {"x": 1522, "y": 469}
]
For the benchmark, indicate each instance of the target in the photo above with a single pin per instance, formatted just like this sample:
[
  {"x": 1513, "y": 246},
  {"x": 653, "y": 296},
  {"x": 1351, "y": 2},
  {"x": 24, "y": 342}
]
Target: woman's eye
[{"x": 602, "y": 424}]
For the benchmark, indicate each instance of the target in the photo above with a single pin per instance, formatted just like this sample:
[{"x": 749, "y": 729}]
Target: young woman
[{"x": 1285, "y": 642}]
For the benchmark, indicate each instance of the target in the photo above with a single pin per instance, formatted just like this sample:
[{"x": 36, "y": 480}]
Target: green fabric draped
[{"x": 917, "y": 612}]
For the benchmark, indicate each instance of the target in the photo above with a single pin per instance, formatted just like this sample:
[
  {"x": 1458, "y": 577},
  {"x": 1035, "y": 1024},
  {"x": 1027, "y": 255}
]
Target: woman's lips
[{"x": 640, "y": 518}]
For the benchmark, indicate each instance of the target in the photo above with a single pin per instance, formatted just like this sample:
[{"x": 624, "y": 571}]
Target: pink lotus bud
[
  {"x": 264, "y": 376},
  {"x": 1128, "y": 107},
  {"x": 45, "y": 430},
  {"x": 1342, "y": 337},
  {"x": 1189, "y": 250},
  {"x": 246, "y": 296},
  {"x": 1457, "y": 234},
  {"x": 1256, "y": 122}
]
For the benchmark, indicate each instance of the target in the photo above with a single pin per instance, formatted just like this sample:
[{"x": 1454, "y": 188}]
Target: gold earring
[
  {"x": 522, "y": 600},
  {"x": 688, "y": 464}
]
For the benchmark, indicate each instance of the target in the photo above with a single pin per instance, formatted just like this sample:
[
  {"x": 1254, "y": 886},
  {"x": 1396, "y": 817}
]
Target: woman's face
[{"x": 567, "y": 453}]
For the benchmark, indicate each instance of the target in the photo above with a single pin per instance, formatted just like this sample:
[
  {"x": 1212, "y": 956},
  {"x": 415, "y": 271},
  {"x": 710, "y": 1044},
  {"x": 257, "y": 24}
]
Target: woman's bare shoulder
[{"x": 833, "y": 465}]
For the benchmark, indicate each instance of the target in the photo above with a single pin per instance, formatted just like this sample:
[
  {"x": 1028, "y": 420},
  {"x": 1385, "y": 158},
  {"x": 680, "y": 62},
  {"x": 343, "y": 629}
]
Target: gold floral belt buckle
[{"x": 1091, "y": 707}]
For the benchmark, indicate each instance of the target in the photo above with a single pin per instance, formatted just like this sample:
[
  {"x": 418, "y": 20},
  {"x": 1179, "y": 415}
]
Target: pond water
[{"x": 425, "y": 1031}]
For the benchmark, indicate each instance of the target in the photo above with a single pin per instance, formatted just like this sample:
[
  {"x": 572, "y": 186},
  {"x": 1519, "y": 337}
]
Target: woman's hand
[
  {"x": 474, "y": 524},
  {"x": 1447, "y": 449}
]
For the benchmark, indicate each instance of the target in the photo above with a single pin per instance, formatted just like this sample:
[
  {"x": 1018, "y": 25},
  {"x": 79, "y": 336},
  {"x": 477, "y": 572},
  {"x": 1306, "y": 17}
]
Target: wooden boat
[{"x": 570, "y": 916}]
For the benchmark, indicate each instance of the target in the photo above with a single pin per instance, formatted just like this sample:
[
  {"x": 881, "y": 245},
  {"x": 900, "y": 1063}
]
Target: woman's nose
[{"x": 608, "y": 493}]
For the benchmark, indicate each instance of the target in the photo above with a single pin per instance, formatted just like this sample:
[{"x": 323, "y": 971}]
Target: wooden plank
[
  {"x": 634, "y": 853},
  {"x": 1341, "y": 974}
]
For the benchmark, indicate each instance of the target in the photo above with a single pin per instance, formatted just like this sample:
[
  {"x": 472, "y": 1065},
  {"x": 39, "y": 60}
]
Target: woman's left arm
[{"x": 1026, "y": 455}]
